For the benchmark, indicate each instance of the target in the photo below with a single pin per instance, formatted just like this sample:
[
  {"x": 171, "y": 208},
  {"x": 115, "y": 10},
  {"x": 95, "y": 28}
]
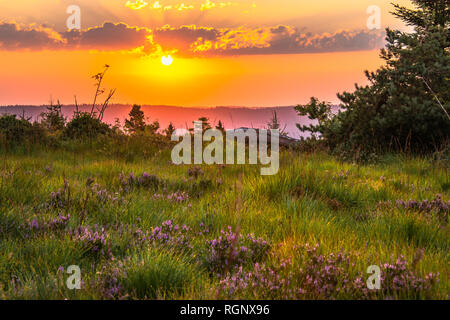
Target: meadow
[{"x": 140, "y": 227}]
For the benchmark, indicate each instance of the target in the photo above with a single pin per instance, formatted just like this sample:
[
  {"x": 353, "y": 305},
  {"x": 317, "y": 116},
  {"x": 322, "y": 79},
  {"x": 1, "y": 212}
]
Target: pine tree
[
  {"x": 220, "y": 126},
  {"x": 136, "y": 123},
  {"x": 169, "y": 130},
  {"x": 205, "y": 124},
  {"x": 437, "y": 10},
  {"x": 152, "y": 128},
  {"x": 53, "y": 119},
  {"x": 406, "y": 104},
  {"x": 274, "y": 124}
]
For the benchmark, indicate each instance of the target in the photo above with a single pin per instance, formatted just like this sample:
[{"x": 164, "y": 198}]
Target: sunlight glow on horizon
[
  {"x": 250, "y": 53},
  {"x": 237, "y": 81}
]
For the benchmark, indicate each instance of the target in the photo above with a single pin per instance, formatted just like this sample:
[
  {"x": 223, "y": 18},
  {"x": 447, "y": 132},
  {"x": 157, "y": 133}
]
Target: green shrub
[
  {"x": 13, "y": 129},
  {"x": 84, "y": 125},
  {"x": 14, "y": 132},
  {"x": 53, "y": 118}
]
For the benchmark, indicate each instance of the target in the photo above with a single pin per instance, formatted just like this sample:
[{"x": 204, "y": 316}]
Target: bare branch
[
  {"x": 435, "y": 96},
  {"x": 99, "y": 78}
]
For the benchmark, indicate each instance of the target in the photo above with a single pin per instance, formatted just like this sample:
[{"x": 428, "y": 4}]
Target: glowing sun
[{"x": 167, "y": 60}]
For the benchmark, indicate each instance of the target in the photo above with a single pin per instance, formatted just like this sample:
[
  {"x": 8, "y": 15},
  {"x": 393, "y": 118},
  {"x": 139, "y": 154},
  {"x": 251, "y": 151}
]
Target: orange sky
[{"x": 246, "y": 53}]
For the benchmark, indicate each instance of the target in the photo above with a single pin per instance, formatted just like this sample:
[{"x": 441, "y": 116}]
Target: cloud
[
  {"x": 110, "y": 36},
  {"x": 187, "y": 40},
  {"x": 285, "y": 40},
  {"x": 14, "y": 36},
  {"x": 137, "y": 5},
  {"x": 182, "y": 6},
  {"x": 182, "y": 38},
  {"x": 207, "y": 5},
  {"x": 200, "y": 41},
  {"x": 157, "y": 5}
]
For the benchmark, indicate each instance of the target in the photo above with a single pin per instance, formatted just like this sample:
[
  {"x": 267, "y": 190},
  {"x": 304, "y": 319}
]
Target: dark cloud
[
  {"x": 110, "y": 36},
  {"x": 183, "y": 37},
  {"x": 188, "y": 40},
  {"x": 16, "y": 37},
  {"x": 287, "y": 40}
]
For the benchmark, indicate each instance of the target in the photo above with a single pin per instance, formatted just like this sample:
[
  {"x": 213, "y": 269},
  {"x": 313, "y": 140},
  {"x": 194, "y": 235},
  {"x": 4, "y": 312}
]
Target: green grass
[{"x": 313, "y": 199}]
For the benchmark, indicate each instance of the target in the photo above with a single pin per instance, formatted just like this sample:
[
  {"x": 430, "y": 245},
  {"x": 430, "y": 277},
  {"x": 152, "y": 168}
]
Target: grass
[{"x": 314, "y": 199}]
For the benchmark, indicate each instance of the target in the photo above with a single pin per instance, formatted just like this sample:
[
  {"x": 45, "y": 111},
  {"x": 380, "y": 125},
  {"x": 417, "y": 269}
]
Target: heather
[{"x": 140, "y": 227}]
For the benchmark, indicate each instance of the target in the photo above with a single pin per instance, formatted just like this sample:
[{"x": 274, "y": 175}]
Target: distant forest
[{"x": 231, "y": 117}]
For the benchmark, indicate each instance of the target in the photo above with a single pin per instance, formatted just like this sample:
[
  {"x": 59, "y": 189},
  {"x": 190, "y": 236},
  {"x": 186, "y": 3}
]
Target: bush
[
  {"x": 136, "y": 125},
  {"x": 15, "y": 131},
  {"x": 84, "y": 125},
  {"x": 53, "y": 118},
  {"x": 231, "y": 250}
]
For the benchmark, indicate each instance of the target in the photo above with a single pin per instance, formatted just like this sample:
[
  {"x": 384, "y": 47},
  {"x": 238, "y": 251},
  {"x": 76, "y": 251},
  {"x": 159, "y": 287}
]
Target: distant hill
[{"x": 182, "y": 117}]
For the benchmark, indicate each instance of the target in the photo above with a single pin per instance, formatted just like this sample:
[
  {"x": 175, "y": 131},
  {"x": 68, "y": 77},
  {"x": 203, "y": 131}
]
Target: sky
[{"x": 225, "y": 53}]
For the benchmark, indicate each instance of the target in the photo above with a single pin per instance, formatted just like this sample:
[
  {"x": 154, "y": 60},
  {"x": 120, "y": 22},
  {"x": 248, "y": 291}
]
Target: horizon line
[{"x": 151, "y": 105}]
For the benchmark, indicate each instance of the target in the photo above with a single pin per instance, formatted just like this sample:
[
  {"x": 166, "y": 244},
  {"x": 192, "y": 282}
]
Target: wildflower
[
  {"x": 93, "y": 240},
  {"x": 225, "y": 252}
]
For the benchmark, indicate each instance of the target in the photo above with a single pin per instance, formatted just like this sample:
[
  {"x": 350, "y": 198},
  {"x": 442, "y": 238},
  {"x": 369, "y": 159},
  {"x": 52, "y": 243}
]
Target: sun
[{"x": 167, "y": 60}]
